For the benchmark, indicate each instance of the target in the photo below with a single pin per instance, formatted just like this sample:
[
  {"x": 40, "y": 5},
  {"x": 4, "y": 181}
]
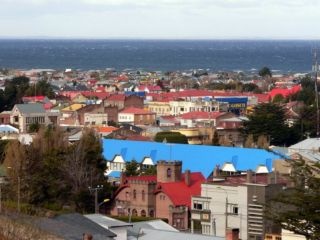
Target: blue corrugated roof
[{"x": 194, "y": 157}]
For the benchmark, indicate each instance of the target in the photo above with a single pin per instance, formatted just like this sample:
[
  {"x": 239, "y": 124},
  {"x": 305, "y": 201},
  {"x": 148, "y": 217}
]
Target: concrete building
[
  {"x": 236, "y": 202},
  {"x": 136, "y": 116},
  {"x": 160, "y": 108},
  {"x": 181, "y": 107}
]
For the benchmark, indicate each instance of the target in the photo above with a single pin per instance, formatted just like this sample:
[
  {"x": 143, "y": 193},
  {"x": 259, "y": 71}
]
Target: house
[
  {"x": 122, "y": 101},
  {"x": 92, "y": 113},
  {"x": 5, "y": 117},
  {"x": 197, "y": 158},
  {"x": 236, "y": 202},
  {"x": 166, "y": 195},
  {"x": 69, "y": 114},
  {"x": 148, "y": 89},
  {"x": 136, "y": 116},
  {"x": 24, "y": 115}
]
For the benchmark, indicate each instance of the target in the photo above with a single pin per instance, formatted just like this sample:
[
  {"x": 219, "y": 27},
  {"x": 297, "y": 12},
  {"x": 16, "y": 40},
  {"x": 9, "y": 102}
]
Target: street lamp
[{"x": 95, "y": 191}]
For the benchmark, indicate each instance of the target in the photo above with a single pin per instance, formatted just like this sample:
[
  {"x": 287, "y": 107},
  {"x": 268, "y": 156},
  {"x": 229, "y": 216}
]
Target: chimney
[
  {"x": 232, "y": 234},
  {"x": 187, "y": 177},
  {"x": 216, "y": 171},
  {"x": 249, "y": 176},
  {"x": 122, "y": 178}
]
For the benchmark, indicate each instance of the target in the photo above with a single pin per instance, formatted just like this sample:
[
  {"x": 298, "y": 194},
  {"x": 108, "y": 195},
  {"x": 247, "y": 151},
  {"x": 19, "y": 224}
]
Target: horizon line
[{"x": 156, "y": 39}]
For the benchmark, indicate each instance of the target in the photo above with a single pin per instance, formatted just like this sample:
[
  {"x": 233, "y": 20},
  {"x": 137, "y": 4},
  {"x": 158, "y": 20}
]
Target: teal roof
[{"x": 197, "y": 158}]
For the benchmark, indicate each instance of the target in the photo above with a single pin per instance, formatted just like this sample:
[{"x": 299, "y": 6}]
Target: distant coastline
[{"x": 285, "y": 56}]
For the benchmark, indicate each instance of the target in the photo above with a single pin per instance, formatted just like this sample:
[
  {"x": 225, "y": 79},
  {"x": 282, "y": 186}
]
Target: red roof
[
  {"x": 179, "y": 193},
  {"x": 138, "y": 138},
  {"x": 149, "y": 87},
  {"x": 34, "y": 98},
  {"x": 107, "y": 129},
  {"x": 143, "y": 178},
  {"x": 134, "y": 110},
  {"x": 117, "y": 97},
  {"x": 99, "y": 95},
  {"x": 201, "y": 115},
  {"x": 285, "y": 92}
]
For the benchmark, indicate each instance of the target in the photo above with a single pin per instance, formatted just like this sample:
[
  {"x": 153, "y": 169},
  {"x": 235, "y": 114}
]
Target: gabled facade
[
  {"x": 24, "y": 115},
  {"x": 167, "y": 195}
]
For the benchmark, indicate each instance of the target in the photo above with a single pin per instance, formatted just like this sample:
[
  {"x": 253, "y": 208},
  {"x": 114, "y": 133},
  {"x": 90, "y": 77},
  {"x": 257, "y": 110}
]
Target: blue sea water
[{"x": 165, "y": 55}]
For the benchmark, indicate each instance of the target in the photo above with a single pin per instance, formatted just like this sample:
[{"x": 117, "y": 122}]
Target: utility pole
[
  {"x": 95, "y": 191},
  {"x": 226, "y": 212},
  {"x": 316, "y": 90},
  {"x": 19, "y": 187}
]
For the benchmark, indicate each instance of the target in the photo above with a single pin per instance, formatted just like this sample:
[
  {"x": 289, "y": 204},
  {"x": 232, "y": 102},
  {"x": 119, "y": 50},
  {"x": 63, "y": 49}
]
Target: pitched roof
[
  {"x": 31, "y": 108},
  {"x": 179, "y": 193},
  {"x": 116, "y": 97},
  {"x": 72, "y": 226},
  {"x": 197, "y": 158},
  {"x": 134, "y": 110},
  {"x": 73, "y": 107},
  {"x": 107, "y": 129}
]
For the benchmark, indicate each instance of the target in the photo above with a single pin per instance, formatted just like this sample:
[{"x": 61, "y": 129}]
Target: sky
[{"x": 160, "y": 19}]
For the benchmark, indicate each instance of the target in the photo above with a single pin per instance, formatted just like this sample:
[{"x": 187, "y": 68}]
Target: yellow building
[{"x": 160, "y": 108}]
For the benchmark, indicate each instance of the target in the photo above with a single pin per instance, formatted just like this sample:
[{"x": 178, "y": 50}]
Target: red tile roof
[
  {"x": 139, "y": 138},
  {"x": 134, "y": 110},
  {"x": 99, "y": 95},
  {"x": 116, "y": 97},
  {"x": 201, "y": 115},
  {"x": 149, "y": 87},
  {"x": 285, "y": 92},
  {"x": 34, "y": 98},
  {"x": 107, "y": 129},
  {"x": 179, "y": 193}
]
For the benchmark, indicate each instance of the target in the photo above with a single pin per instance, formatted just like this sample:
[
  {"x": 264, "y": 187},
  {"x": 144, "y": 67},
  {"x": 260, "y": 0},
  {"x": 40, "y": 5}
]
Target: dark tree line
[
  {"x": 19, "y": 87},
  {"x": 54, "y": 173}
]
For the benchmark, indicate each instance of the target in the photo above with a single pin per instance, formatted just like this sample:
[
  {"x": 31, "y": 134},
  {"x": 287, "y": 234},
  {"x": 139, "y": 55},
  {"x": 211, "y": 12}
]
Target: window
[
  {"x": 143, "y": 195},
  {"x": 134, "y": 212},
  {"x": 197, "y": 206},
  {"x": 143, "y": 213},
  {"x": 151, "y": 213},
  {"x": 134, "y": 194},
  {"x": 169, "y": 172}
]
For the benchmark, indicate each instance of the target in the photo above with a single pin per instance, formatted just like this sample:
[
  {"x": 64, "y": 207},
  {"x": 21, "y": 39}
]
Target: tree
[
  {"x": 267, "y": 119},
  {"x": 171, "y": 137},
  {"x": 265, "y": 72},
  {"x": 55, "y": 173},
  {"x": 297, "y": 208},
  {"x": 279, "y": 98},
  {"x": 132, "y": 168}
]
